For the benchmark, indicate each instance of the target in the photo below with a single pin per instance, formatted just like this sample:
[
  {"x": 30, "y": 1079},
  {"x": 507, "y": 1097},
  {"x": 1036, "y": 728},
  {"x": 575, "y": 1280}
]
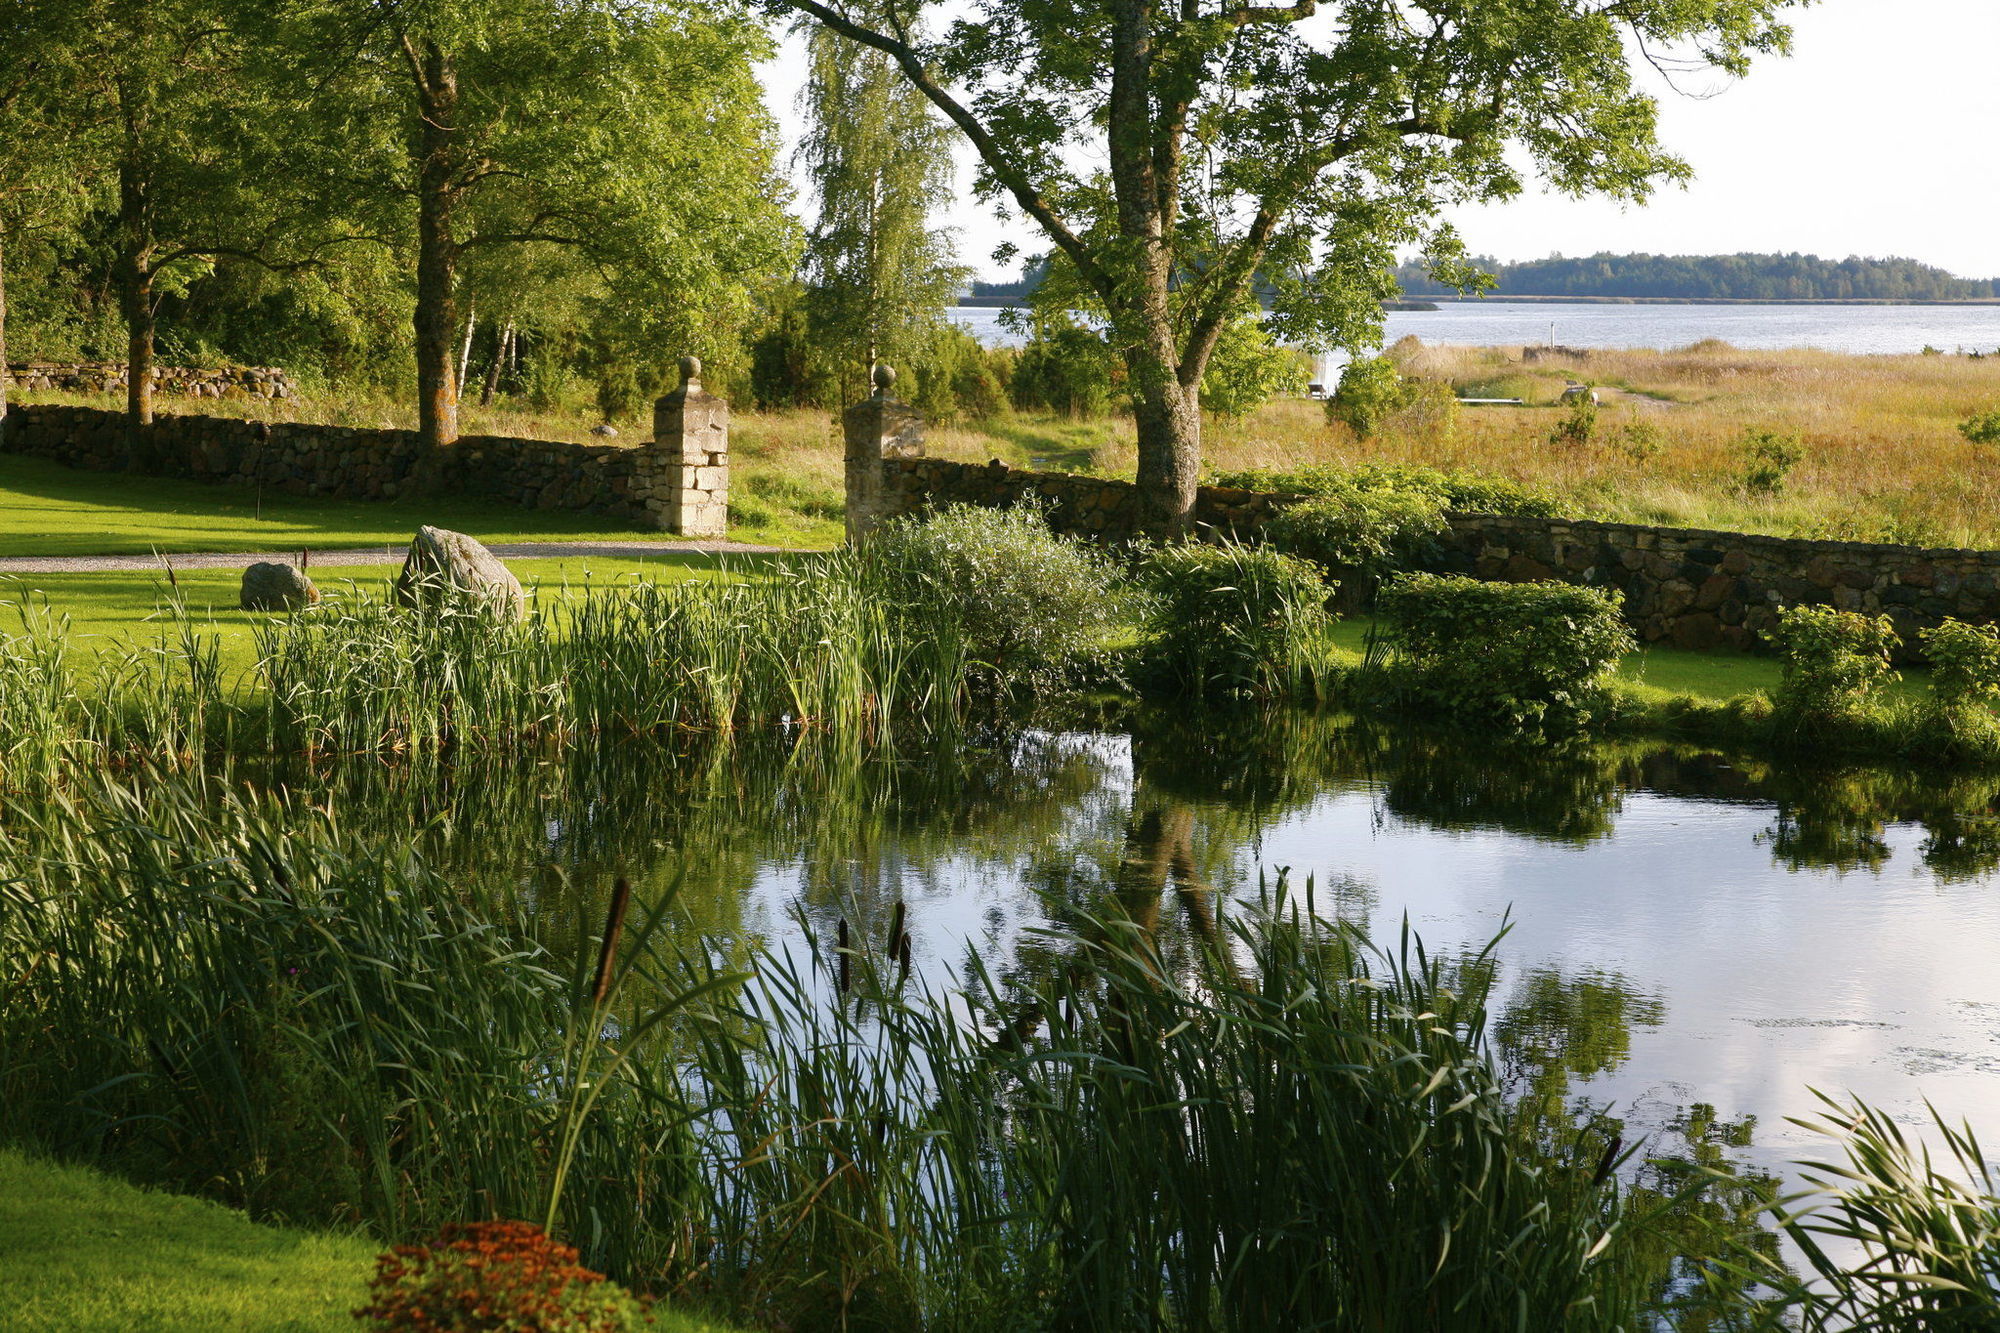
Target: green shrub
[
  {"x": 1027, "y": 603},
  {"x": 1768, "y": 459},
  {"x": 1835, "y": 662},
  {"x": 1453, "y": 488},
  {"x": 1233, "y": 618},
  {"x": 1528, "y": 656},
  {"x": 1965, "y": 684},
  {"x": 1371, "y": 388},
  {"x": 1983, "y": 428},
  {"x": 1360, "y": 535},
  {"x": 1578, "y": 426},
  {"x": 1070, "y": 370}
]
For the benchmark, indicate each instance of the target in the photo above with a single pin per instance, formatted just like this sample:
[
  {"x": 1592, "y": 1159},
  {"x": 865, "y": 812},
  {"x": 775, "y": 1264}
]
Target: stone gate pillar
[
  {"x": 877, "y": 428},
  {"x": 690, "y": 459}
]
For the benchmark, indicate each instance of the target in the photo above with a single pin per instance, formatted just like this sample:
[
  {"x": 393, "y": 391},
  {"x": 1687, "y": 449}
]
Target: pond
[{"x": 1683, "y": 929}]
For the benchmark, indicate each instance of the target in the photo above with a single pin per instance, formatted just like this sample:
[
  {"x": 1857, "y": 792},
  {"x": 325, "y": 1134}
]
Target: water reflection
[{"x": 1689, "y": 929}]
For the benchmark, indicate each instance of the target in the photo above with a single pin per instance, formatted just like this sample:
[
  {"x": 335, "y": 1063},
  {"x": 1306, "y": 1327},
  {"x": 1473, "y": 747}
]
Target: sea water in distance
[{"x": 1874, "y": 329}]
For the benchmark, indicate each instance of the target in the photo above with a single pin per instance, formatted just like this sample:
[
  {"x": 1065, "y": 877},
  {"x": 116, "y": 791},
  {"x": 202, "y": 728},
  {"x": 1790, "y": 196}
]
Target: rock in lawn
[
  {"x": 451, "y": 563},
  {"x": 606, "y": 431},
  {"x": 276, "y": 586}
]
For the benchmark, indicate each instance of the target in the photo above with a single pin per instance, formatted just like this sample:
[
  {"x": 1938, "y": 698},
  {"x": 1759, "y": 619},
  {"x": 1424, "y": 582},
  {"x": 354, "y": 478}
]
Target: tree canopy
[{"x": 1176, "y": 152}]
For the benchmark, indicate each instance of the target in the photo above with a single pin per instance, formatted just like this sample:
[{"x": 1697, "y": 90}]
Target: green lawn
[
  {"x": 113, "y": 611},
  {"x": 48, "y": 509},
  {"x": 82, "y": 1252},
  {"x": 1714, "y": 675}
]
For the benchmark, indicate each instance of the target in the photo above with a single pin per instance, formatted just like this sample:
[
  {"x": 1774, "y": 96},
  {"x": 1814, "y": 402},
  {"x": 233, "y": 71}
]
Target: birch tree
[{"x": 879, "y": 276}]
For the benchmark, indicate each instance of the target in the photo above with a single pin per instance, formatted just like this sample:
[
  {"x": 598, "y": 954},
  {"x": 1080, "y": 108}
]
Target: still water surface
[
  {"x": 1682, "y": 929},
  {"x": 1834, "y": 328}
]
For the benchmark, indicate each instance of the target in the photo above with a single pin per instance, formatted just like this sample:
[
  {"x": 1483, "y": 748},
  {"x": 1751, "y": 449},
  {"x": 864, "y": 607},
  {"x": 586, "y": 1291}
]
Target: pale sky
[{"x": 1876, "y": 137}]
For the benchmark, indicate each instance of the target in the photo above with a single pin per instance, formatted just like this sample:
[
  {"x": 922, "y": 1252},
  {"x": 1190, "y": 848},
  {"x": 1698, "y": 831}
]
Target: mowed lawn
[
  {"x": 83, "y": 1252},
  {"x": 48, "y": 509},
  {"x": 109, "y": 614}
]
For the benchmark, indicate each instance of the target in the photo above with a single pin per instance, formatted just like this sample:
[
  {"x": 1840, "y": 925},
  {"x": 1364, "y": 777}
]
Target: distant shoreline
[
  {"x": 1434, "y": 302},
  {"x": 1503, "y": 299}
]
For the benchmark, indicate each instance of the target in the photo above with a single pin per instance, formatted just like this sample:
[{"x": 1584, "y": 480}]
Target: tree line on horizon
[{"x": 1737, "y": 277}]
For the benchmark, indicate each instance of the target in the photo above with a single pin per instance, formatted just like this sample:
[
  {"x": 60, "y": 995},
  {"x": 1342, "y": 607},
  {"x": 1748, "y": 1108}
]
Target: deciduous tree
[
  {"x": 628, "y": 133},
  {"x": 879, "y": 274},
  {"x": 1175, "y": 151}
]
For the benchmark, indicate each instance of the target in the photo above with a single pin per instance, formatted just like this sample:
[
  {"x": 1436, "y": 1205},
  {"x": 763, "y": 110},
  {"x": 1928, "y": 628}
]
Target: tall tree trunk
[
  {"x": 436, "y": 318},
  {"x": 135, "y": 303},
  {"x": 500, "y": 346},
  {"x": 1167, "y": 410},
  {"x": 465, "y": 346},
  {"x": 6, "y": 376},
  {"x": 1168, "y": 415}
]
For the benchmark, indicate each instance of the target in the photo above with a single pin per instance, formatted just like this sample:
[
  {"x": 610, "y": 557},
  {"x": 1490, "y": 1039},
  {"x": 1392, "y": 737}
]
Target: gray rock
[
  {"x": 442, "y": 563},
  {"x": 607, "y": 431},
  {"x": 276, "y": 586}
]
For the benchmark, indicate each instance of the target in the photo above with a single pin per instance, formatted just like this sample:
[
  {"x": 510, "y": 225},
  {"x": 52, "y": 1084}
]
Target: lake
[
  {"x": 1681, "y": 928},
  {"x": 1836, "y": 328}
]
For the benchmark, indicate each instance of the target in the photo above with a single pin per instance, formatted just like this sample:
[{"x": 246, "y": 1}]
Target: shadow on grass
[{"x": 49, "y": 509}]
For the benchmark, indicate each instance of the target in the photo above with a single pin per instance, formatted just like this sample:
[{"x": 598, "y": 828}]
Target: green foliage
[
  {"x": 1835, "y": 662},
  {"x": 1360, "y": 533},
  {"x": 1965, "y": 684},
  {"x": 1639, "y": 441},
  {"x": 1027, "y": 605},
  {"x": 1915, "y": 1243},
  {"x": 1520, "y": 656},
  {"x": 1233, "y": 618},
  {"x": 879, "y": 275},
  {"x": 1578, "y": 427},
  {"x": 1067, "y": 368},
  {"x": 1964, "y": 661},
  {"x": 1981, "y": 428},
  {"x": 1452, "y": 488},
  {"x": 1248, "y": 369},
  {"x": 1370, "y": 390},
  {"x": 1768, "y": 459}
]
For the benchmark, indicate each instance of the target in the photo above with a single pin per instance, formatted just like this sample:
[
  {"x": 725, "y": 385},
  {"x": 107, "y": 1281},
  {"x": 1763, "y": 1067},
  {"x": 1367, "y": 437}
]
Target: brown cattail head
[
  {"x": 1606, "y": 1162},
  {"x": 614, "y": 926},
  {"x": 841, "y": 949},
  {"x": 904, "y": 955},
  {"x": 896, "y": 930}
]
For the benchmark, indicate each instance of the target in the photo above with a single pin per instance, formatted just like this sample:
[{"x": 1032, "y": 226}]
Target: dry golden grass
[{"x": 1884, "y": 460}]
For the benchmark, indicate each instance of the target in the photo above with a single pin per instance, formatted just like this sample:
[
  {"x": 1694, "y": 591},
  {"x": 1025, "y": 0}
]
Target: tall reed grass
[{"x": 1285, "y": 1127}]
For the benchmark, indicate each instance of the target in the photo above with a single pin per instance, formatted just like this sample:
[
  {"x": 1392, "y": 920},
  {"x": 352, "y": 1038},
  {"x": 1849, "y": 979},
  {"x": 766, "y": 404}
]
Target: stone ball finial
[
  {"x": 690, "y": 369},
  {"x": 884, "y": 376}
]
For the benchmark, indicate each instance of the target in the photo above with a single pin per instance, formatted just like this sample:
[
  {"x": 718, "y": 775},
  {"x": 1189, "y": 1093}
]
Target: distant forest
[
  {"x": 1662, "y": 277},
  {"x": 1719, "y": 277}
]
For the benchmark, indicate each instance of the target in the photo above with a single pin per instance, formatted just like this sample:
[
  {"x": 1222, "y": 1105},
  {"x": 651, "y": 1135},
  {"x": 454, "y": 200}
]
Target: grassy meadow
[{"x": 1882, "y": 458}]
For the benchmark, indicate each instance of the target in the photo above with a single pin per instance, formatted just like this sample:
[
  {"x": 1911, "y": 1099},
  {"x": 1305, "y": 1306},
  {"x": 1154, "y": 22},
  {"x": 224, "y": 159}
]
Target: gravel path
[{"x": 366, "y": 555}]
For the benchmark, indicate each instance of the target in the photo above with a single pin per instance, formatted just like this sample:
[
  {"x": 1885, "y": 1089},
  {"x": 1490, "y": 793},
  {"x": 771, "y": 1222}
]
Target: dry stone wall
[
  {"x": 1093, "y": 507},
  {"x": 1688, "y": 587},
  {"x": 350, "y": 463},
  {"x": 103, "y": 377}
]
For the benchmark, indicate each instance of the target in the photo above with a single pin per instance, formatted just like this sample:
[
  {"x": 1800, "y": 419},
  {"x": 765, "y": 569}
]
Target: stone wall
[
  {"x": 1689, "y": 587},
  {"x": 344, "y": 462},
  {"x": 1701, "y": 589},
  {"x": 1091, "y": 507},
  {"x": 183, "y": 381}
]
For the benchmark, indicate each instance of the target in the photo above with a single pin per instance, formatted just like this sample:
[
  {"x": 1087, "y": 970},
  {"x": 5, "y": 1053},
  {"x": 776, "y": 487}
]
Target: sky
[{"x": 1880, "y": 135}]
